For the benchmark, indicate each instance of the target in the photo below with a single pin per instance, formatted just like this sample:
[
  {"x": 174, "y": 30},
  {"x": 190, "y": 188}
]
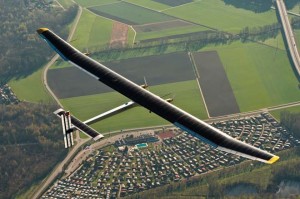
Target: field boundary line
[
  {"x": 140, "y": 6},
  {"x": 134, "y": 35},
  {"x": 179, "y": 6},
  {"x": 103, "y": 4},
  {"x": 283, "y": 106},
  {"x": 104, "y": 17},
  {"x": 161, "y": 22},
  {"x": 197, "y": 79},
  {"x": 174, "y": 17}
]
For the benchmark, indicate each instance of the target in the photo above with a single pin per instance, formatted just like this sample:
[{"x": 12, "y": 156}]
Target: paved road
[
  {"x": 289, "y": 35},
  {"x": 56, "y": 56},
  {"x": 59, "y": 168},
  {"x": 245, "y": 114}
]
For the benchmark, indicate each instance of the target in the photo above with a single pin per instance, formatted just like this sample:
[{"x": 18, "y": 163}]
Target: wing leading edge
[{"x": 192, "y": 125}]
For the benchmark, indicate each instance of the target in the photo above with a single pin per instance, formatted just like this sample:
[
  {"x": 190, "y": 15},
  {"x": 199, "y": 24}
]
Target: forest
[
  {"x": 291, "y": 121},
  {"x": 30, "y": 136},
  {"x": 31, "y": 144},
  {"x": 21, "y": 52}
]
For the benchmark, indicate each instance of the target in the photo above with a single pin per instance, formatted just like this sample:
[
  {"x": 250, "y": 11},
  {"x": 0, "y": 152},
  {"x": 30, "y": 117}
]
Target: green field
[
  {"x": 93, "y": 32},
  {"x": 215, "y": 14},
  {"x": 260, "y": 76},
  {"x": 119, "y": 56},
  {"x": 149, "y": 4},
  {"x": 294, "y": 109},
  {"x": 169, "y": 32},
  {"x": 31, "y": 88},
  {"x": 131, "y": 13},
  {"x": 276, "y": 42},
  {"x": 89, "y": 3},
  {"x": 186, "y": 93}
]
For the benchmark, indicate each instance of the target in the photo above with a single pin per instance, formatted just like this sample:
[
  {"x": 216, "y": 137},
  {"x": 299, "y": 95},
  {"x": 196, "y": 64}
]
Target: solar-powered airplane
[{"x": 185, "y": 121}]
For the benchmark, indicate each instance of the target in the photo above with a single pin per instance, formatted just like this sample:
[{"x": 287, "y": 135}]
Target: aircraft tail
[{"x": 70, "y": 124}]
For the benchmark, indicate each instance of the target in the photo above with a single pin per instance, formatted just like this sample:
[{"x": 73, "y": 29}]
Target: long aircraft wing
[{"x": 154, "y": 103}]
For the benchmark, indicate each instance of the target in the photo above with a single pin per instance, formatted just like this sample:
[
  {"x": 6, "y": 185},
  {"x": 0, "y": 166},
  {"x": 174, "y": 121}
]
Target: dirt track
[{"x": 118, "y": 35}]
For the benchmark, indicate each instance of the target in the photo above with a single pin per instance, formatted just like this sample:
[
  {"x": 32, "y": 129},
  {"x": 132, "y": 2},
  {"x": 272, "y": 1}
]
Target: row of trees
[
  {"x": 21, "y": 51},
  {"x": 189, "y": 42},
  {"x": 256, "y": 6},
  {"x": 261, "y": 33}
]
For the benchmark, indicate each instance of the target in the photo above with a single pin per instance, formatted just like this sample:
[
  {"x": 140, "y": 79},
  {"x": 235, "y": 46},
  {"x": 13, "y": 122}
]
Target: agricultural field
[
  {"x": 276, "y": 42},
  {"x": 93, "y": 32},
  {"x": 209, "y": 13},
  {"x": 260, "y": 76},
  {"x": 31, "y": 88},
  {"x": 129, "y": 13},
  {"x": 172, "y": 32},
  {"x": 72, "y": 82},
  {"x": 187, "y": 97},
  {"x": 89, "y": 3},
  {"x": 162, "y": 26},
  {"x": 153, "y": 5},
  {"x": 215, "y": 85},
  {"x": 174, "y": 3}
]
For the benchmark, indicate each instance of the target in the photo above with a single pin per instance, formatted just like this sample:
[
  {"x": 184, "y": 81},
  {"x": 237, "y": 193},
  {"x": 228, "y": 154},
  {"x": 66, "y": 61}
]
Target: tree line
[{"x": 188, "y": 42}]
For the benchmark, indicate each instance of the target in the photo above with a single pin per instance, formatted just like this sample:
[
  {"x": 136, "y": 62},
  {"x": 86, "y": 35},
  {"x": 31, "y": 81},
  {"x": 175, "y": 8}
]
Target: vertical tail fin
[
  {"x": 70, "y": 123},
  {"x": 67, "y": 129}
]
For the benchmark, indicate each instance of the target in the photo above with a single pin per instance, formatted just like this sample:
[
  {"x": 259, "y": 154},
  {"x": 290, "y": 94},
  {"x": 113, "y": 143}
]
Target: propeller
[
  {"x": 87, "y": 53},
  {"x": 145, "y": 85},
  {"x": 170, "y": 99}
]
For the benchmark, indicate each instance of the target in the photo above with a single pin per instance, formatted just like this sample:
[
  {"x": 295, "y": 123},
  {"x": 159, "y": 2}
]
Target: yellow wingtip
[
  {"x": 273, "y": 159},
  {"x": 41, "y": 30}
]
